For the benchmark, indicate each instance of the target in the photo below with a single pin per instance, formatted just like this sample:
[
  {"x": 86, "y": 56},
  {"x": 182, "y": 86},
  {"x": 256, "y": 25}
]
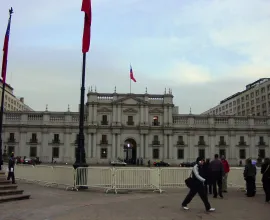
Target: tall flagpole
[
  {"x": 4, "y": 66},
  {"x": 129, "y": 85},
  {"x": 80, "y": 150}
]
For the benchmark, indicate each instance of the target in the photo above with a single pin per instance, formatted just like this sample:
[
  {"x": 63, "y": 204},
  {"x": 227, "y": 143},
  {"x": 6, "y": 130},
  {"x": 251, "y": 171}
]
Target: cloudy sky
[{"x": 205, "y": 50}]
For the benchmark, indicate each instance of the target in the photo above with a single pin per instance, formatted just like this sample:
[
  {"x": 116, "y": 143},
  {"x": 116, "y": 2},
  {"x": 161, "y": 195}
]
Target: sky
[{"x": 204, "y": 50}]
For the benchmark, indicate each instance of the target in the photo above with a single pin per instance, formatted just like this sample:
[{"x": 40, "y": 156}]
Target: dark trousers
[
  {"x": 217, "y": 185},
  {"x": 208, "y": 187},
  {"x": 266, "y": 188},
  {"x": 12, "y": 176},
  {"x": 251, "y": 186},
  {"x": 197, "y": 188}
]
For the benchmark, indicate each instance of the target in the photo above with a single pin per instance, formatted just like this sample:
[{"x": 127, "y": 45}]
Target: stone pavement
[{"x": 58, "y": 204}]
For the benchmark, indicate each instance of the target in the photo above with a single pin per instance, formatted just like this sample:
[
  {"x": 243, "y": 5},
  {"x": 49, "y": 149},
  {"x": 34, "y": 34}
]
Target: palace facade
[{"x": 135, "y": 126}]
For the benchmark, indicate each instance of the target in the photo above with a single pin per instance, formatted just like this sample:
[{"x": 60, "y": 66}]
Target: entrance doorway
[{"x": 130, "y": 151}]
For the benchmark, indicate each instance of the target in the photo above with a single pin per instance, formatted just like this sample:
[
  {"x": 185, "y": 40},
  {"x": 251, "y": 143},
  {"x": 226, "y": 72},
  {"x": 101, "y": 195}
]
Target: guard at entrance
[{"x": 11, "y": 163}]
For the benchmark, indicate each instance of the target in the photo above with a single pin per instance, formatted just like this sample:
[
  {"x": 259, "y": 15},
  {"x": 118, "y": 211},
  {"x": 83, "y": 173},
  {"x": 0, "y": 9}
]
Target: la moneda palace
[{"x": 135, "y": 126}]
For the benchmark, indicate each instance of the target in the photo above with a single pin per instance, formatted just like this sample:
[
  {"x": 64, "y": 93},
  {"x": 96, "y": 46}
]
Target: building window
[
  {"x": 222, "y": 140},
  {"x": 10, "y": 150},
  {"x": 180, "y": 154},
  {"x": 155, "y": 121},
  {"x": 55, "y": 152},
  {"x": 242, "y": 140},
  {"x": 33, "y": 152},
  {"x": 242, "y": 154},
  {"x": 34, "y": 138},
  {"x": 155, "y": 140},
  {"x": 155, "y": 153},
  {"x": 180, "y": 140},
  {"x": 201, "y": 140},
  {"x": 130, "y": 120},
  {"x": 56, "y": 138},
  {"x": 104, "y": 139},
  {"x": 103, "y": 153},
  {"x": 261, "y": 140},
  {"x": 11, "y": 137},
  {"x": 222, "y": 152},
  {"x": 201, "y": 153},
  {"x": 262, "y": 153},
  {"x": 104, "y": 120}
]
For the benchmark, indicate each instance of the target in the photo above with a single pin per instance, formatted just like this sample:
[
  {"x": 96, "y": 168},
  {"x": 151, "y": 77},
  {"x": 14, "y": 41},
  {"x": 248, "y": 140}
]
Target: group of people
[{"x": 209, "y": 177}]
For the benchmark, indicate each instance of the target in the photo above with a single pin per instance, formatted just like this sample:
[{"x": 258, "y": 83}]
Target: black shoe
[
  {"x": 225, "y": 191},
  {"x": 221, "y": 196},
  {"x": 214, "y": 197}
]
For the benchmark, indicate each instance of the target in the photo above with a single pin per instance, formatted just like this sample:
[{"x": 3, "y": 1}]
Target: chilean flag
[
  {"x": 5, "y": 49},
  {"x": 131, "y": 74},
  {"x": 86, "y": 8}
]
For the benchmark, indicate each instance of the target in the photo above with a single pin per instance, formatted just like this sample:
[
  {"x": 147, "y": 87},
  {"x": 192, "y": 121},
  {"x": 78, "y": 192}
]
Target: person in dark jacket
[
  {"x": 197, "y": 186},
  {"x": 250, "y": 177},
  {"x": 11, "y": 164},
  {"x": 207, "y": 176},
  {"x": 217, "y": 173},
  {"x": 265, "y": 170}
]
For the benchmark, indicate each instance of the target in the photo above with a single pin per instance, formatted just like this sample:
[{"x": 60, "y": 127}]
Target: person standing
[
  {"x": 226, "y": 168},
  {"x": 207, "y": 176},
  {"x": 217, "y": 173},
  {"x": 11, "y": 163},
  {"x": 265, "y": 170},
  {"x": 250, "y": 177},
  {"x": 197, "y": 186}
]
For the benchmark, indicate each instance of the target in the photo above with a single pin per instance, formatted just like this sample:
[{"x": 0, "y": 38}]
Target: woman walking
[
  {"x": 265, "y": 170},
  {"x": 197, "y": 186}
]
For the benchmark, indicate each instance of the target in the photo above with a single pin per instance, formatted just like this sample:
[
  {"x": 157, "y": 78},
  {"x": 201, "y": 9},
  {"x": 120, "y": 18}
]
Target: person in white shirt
[{"x": 197, "y": 186}]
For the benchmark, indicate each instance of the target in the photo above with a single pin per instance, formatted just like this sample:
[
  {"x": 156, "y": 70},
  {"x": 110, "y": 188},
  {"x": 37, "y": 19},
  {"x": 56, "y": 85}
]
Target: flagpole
[
  {"x": 3, "y": 97},
  {"x": 129, "y": 85}
]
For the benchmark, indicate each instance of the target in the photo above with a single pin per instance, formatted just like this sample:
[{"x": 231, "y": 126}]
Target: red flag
[
  {"x": 5, "y": 49},
  {"x": 131, "y": 74},
  {"x": 86, "y": 7}
]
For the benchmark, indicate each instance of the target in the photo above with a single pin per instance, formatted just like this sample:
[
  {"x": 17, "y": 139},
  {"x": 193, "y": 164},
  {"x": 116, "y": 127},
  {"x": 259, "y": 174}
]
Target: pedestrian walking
[
  {"x": 217, "y": 173},
  {"x": 250, "y": 177},
  {"x": 11, "y": 164},
  {"x": 226, "y": 168},
  {"x": 265, "y": 170},
  {"x": 197, "y": 186}
]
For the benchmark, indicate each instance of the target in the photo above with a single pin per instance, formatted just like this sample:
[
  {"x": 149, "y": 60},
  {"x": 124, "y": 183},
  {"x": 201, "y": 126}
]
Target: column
[
  {"x": 119, "y": 120},
  {"x": 113, "y": 147},
  {"x": 114, "y": 113},
  {"x": 94, "y": 145},
  {"x": 146, "y": 147},
  {"x": 120, "y": 147},
  {"x": 170, "y": 147},
  {"x": 252, "y": 147},
  {"x": 95, "y": 114},
  {"x": 170, "y": 115},
  {"x": 165, "y": 115},
  {"x": 67, "y": 146},
  {"x": 146, "y": 114},
  {"x": 165, "y": 149},
  {"x": 142, "y": 115},
  {"x": 89, "y": 144},
  {"x": 44, "y": 153},
  {"x": 142, "y": 146},
  {"x": 90, "y": 114},
  {"x": 22, "y": 145}
]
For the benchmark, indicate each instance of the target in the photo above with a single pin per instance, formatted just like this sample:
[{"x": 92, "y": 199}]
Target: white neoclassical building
[{"x": 135, "y": 126}]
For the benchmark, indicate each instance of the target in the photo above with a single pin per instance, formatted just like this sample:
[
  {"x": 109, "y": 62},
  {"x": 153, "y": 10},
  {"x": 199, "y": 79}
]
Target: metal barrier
[{"x": 115, "y": 179}]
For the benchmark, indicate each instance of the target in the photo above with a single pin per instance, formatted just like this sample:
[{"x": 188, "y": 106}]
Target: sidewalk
[{"x": 57, "y": 204}]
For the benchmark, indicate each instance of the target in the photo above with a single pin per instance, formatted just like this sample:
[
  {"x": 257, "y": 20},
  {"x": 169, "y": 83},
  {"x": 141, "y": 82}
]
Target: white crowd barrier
[{"x": 115, "y": 179}]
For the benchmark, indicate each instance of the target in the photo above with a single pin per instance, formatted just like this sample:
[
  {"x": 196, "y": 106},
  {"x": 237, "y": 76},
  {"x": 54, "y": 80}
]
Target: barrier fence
[{"x": 114, "y": 179}]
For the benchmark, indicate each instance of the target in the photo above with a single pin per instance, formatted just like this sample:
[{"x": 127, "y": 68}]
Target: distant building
[
  {"x": 12, "y": 103},
  {"x": 254, "y": 100},
  {"x": 133, "y": 126}
]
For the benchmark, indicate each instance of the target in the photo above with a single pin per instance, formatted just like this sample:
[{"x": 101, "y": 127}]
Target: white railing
[{"x": 156, "y": 179}]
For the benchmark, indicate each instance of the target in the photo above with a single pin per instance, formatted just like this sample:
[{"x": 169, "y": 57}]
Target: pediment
[
  {"x": 130, "y": 100},
  {"x": 156, "y": 110},
  {"x": 104, "y": 109},
  {"x": 130, "y": 110}
]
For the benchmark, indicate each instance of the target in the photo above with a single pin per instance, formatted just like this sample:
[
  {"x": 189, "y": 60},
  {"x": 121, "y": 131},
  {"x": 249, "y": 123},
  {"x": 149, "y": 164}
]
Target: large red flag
[
  {"x": 5, "y": 49},
  {"x": 86, "y": 8}
]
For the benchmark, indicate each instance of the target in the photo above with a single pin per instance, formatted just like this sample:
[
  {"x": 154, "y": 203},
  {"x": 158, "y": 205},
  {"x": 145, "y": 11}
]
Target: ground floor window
[
  {"x": 261, "y": 153},
  {"x": 33, "y": 152},
  {"x": 10, "y": 150},
  {"x": 103, "y": 153},
  {"x": 242, "y": 154},
  {"x": 201, "y": 153},
  {"x": 222, "y": 152},
  {"x": 55, "y": 152},
  {"x": 155, "y": 153},
  {"x": 180, "y": 153}
]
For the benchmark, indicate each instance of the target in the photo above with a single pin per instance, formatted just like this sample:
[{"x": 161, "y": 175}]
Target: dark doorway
[{"x": 130, "y": 149}]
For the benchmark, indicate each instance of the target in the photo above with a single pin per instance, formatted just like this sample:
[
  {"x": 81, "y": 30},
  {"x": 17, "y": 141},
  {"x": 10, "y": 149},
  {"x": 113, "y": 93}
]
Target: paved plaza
[{"x": 58, "y": 204}]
